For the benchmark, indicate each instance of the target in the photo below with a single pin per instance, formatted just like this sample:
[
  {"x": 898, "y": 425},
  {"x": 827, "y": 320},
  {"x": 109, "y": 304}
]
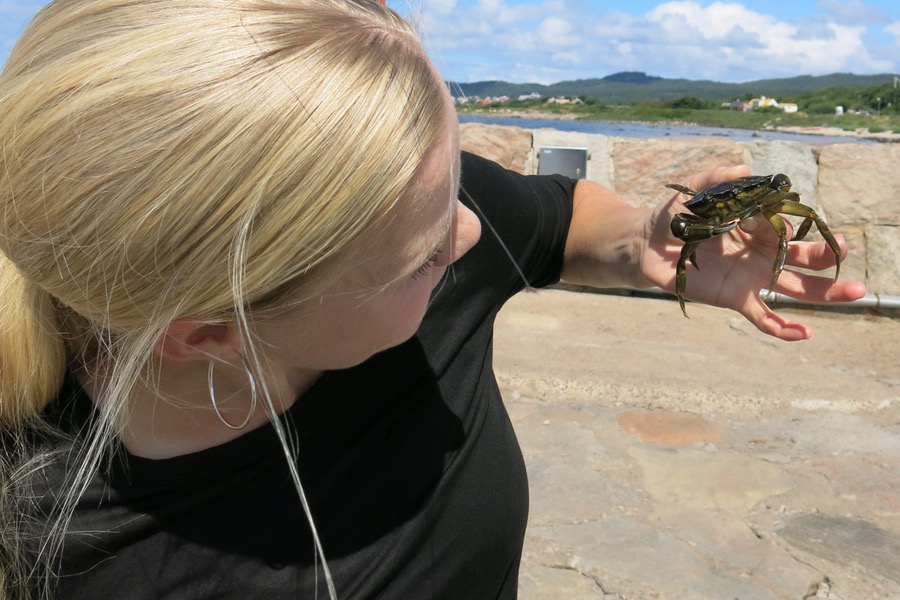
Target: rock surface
[
  {"x": 674, "y": 458},
  {"x": 508, "y": 146},
  {"x": 859, "y": 184},
  {"x": 883, "y": 266},
  {"x": 796, "y": 159},
  {"x": 644, "y": 166}
]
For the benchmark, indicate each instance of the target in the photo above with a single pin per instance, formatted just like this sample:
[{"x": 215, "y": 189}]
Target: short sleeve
[{"x": 525, "y": 220}]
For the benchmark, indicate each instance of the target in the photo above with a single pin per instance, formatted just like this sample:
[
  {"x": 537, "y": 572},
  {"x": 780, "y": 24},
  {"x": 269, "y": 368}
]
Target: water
[{"x": 653, "y": 130}]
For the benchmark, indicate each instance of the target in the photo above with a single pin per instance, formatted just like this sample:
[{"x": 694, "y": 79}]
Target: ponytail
[{"x": 32, "y": 351}]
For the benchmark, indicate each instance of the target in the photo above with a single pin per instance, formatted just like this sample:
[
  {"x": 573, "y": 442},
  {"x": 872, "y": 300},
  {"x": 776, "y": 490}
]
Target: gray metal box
[{"x": 571, "y": 162}]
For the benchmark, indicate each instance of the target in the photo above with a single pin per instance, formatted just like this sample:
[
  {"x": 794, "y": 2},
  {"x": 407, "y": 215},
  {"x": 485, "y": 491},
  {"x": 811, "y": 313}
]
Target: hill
[{"x": 631, "y": 86}]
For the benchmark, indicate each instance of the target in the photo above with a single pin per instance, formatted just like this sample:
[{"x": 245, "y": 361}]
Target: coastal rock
[
  {"x": 671, "y": 428},
  {"x": 883, "y": 243},
  {"x": 644, "y": 166},
  {"x": 856, "y": 265},
  {"x": 859, "y": 183},
  {"x": 508, "y": 146},
  {"x": 796, "y": 160},
  {"x": 845, "y": 540},
  {"x": 559, "y": 581}
]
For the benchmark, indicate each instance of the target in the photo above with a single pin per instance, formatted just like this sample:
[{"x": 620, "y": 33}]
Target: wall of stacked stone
[{"x": 854, "y": 187}]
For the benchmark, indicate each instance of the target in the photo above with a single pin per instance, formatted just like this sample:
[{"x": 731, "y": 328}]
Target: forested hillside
[{"x": 628, "y": 87}]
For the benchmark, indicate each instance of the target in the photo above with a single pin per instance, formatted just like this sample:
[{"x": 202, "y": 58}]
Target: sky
[{"x": 547, "y": 41}]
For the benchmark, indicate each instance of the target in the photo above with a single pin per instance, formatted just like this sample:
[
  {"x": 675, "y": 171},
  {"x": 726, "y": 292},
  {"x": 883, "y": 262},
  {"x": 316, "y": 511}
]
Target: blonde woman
[{"x": 247, "y": 306}]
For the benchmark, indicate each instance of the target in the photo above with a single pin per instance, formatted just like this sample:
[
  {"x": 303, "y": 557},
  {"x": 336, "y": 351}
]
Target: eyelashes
[{"x": 426, "y": 266}]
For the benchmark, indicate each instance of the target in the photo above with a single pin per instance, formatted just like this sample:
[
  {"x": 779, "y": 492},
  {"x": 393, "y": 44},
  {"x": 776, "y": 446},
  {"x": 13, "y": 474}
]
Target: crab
[{"x": 720, "y": 208}]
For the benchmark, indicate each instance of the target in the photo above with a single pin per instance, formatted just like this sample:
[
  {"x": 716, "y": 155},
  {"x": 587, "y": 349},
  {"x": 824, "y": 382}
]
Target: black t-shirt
[{"x": 410, "y": 463}]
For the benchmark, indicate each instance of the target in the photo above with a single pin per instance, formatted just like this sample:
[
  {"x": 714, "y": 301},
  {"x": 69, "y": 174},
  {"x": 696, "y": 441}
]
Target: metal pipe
[{"x": 876, "y": 301}]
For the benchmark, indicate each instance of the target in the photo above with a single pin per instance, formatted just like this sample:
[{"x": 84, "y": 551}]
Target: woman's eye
[{"x": 426, "y": 266}]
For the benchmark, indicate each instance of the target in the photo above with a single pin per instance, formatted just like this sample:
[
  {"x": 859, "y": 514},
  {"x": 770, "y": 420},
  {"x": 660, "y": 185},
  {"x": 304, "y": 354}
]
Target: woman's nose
[{"x": 466, "y": 233}]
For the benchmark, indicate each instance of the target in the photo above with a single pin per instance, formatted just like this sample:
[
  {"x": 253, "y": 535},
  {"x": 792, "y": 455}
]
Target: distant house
[
  {"x": 562, "y": 100},
  {"x": 487, "y": 100},
  {"x": 531, "y": 96},
  {"x": 763, "y": 102}
]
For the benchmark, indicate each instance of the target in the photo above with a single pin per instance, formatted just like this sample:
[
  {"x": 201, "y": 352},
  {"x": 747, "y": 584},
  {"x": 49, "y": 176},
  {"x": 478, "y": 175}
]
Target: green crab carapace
[{"x": 720, "y": 208}]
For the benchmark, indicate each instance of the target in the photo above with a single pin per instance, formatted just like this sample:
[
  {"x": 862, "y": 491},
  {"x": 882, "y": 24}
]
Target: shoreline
[{"x": 884, "y": 136}]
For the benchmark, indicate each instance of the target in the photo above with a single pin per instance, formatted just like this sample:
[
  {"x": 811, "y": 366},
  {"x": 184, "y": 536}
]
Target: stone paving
[{"x": 674, "y": 458}]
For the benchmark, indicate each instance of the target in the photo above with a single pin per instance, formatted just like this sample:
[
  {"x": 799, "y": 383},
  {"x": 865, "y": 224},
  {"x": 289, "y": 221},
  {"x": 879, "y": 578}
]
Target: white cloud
[
  {"x": 505, "y": 14},
  {"x": 568, "y": 58},
  {"x": 554, "y": 31},
  {"x": 540, "y": 40},
  {"x": 731, "y": 24},
  {"x": 516, "y": 43}
]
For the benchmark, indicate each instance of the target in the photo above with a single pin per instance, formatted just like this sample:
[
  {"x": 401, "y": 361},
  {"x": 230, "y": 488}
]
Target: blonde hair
[{"x": 170, "y": 158}]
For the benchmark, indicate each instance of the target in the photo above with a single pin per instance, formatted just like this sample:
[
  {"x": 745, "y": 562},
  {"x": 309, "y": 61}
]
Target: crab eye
[
  {"x": 679, "y": 227},
  {"x": 781, "y": 182}
]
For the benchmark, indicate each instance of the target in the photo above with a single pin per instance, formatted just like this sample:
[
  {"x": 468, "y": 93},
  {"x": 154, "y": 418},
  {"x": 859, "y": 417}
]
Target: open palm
[{"x": 735, "y": 266}]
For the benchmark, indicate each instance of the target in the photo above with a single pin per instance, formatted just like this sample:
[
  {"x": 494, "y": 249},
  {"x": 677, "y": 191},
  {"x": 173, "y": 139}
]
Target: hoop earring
[{"x": 212, "y": 396}]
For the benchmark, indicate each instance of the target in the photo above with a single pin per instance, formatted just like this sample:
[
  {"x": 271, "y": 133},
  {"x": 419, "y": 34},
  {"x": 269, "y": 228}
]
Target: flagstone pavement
[{"x": 674, "y": 458}]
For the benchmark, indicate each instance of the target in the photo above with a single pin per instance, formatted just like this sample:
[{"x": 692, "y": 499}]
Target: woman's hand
[{"x": 735, "y": 266}]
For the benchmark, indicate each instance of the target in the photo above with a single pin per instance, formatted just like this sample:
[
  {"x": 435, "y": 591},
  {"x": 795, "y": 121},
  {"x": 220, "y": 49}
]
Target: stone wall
[{"x": 854, "y": 187}]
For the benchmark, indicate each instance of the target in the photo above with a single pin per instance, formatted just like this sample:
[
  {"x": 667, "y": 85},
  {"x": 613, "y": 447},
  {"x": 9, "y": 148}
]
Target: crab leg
[
  {"x": 801, "y": 210},
  {"x": 693, "y": 230},
  {"x": 681, "y": 272},
  {"x": 681, "y": 188},
  {"x": 779, "y": 226},
  {"x": 803, "y": 229}
]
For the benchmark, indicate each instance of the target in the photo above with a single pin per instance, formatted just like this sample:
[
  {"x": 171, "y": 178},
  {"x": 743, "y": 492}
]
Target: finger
[
  {"x": 774, "y": 324},
  {"x": 814, "y": 288},
  {"x": 815, "y": 255}
]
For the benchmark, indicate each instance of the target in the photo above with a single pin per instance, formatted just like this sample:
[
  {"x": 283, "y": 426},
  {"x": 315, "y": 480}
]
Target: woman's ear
[{"x": 190, "y": 340}]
